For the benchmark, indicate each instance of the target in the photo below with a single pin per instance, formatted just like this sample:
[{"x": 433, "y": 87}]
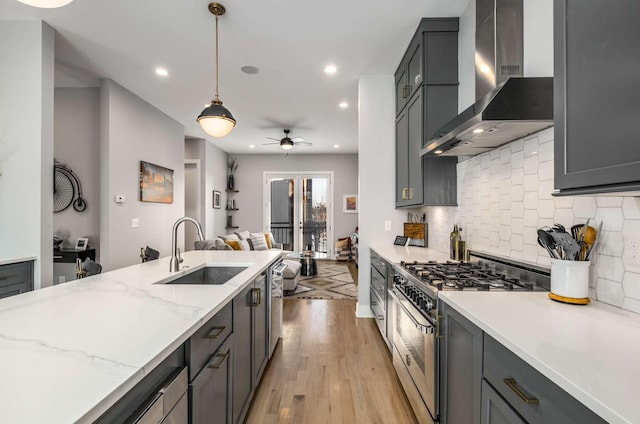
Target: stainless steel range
[{"x": 415, "y": 317}]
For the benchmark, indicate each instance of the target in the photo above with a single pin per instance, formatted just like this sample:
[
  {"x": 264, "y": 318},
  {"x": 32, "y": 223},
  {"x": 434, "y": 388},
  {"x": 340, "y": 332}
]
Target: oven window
[{"x": 411, "y": 337}]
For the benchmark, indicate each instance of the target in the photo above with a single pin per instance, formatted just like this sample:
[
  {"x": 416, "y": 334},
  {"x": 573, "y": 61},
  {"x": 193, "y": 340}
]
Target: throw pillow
[
  {"x": 268, "y": 240},
  {"x": 229, "y": 237},
  {"x": 258, "y": 241},
  {"x": 245, "y": 244},
  {"x": 343, "y": 243},
  {"x": 235, "y": 244},
  {"x": 243, "y": 235}
]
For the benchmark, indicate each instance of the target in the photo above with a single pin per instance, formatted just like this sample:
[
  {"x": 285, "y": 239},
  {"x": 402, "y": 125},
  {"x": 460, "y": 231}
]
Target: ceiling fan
[{"x": 287, "y": 143}]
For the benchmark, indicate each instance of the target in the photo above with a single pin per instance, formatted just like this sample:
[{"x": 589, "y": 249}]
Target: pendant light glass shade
[
  {"x": 46, "y": 4},
  {"x": 215, "y": 119}
]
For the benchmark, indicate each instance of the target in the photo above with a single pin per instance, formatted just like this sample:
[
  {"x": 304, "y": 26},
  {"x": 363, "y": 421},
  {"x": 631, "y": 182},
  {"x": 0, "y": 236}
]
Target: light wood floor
[{"x": 330, "y": 367}]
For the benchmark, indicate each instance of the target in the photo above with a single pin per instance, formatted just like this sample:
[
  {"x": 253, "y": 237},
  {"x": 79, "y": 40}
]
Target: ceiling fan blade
[
  {"x": 297, "y": 139},
  {"x": 268, "y": 144},
  {"x": 304, "y": 143},
  {"x": 271, "y": 138}
]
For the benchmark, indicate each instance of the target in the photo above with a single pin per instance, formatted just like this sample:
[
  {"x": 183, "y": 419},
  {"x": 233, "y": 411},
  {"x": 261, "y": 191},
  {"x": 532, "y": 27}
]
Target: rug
[{"x": 333, "y": 281}]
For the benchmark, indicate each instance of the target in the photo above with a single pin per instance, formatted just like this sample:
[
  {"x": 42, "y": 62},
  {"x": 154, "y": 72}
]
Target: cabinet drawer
[
  {"x": 536, "y": 398},
  {"x": 380, "y": 265},
  {"x": 378, "y": 311},
  {"x": 15, "y": 273},
  {"x": 207, "y": 339},
  {"x": 378, "y": 283}
]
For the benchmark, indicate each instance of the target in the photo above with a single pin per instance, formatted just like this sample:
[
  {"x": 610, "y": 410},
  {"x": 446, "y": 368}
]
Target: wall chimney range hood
[{"x": 508, "y": 106}]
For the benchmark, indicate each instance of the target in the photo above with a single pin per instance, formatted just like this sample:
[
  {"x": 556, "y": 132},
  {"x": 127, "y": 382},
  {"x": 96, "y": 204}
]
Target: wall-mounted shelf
[
  {"x": 228, "y": 228},
  {"x": 232, "y": 191},
  {"x": 231, "y": 209}
]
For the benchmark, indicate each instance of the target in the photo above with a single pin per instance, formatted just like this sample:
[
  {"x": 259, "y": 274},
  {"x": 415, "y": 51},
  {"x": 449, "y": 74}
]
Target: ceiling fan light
[
  {"x": 286, "y": 144},
  {"x": 216, "y": 120}
]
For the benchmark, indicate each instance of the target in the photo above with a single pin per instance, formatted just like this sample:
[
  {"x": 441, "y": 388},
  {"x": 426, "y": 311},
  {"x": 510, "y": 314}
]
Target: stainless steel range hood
[{"x": 508, "y": 106}]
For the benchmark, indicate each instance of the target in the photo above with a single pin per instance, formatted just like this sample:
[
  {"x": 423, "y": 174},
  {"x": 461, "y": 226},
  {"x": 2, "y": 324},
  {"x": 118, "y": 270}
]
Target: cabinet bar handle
[
  {"x": 405, "y": 91},
  {"x": 381, "y": 317},
  {"x": 256, "y": 300},
  {"x": 439, "y": 326},
  {"x": 215, "y": 332},
  {"x": 374, "y": 303},
  {"x": 410, "y": 192},
  {"x": 513, "y": 385},
  {"x": 221, "y": 358}
]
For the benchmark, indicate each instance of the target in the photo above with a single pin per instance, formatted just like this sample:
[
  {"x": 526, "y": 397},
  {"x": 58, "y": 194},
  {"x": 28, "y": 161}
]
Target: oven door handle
[{"x": 425, "y": 329}]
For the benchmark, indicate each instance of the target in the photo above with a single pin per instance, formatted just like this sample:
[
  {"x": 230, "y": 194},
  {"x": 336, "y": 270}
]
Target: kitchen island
[{"x": 71, "y": 351}]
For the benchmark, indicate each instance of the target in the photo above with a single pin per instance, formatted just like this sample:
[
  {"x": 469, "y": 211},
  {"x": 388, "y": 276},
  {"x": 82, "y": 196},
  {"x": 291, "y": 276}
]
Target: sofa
[{"x": 245, "y": 240}]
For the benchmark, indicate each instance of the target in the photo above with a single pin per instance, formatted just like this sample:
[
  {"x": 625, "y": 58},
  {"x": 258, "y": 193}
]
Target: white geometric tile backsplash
[{"x": 504, "y": 196}]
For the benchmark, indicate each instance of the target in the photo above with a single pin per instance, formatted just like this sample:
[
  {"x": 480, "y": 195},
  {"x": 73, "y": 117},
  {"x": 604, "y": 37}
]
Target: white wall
[
  {"x": 26, "y": 144},
  {"x": 77, "y": 145},
  {"x": 376, "y": 165},
  {"x": 133, "y": 130},
  {"x": 214, "y": 177},
  {"x": 250, "y": 182}
]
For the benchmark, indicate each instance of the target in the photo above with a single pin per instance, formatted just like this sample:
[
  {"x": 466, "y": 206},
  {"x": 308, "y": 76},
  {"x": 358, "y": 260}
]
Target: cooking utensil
[
  {"x": 596, "y": 237},
  {"x": 559, "y": 228},
  {"x": 568, "y": 245},
  {"x": 546, "y": 241},
  {"x": 575, "y": 231}
]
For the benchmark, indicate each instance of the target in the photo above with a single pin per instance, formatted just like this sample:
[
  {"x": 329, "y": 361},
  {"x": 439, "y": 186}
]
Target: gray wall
[
  {"x": 249, "y": 181},
  {"x": 77, "y": 145},
  {"x": 26, "y": 144},
  {"x": 133, "y": 130},
  {"x": 214, "y": 177}
]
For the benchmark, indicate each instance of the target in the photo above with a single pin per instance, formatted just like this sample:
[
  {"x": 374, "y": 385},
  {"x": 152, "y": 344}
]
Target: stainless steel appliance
[
  {"x": 415, "y": 317},
  {"x": 169, "y": 405},
  {"x": 276, "y": 306}
]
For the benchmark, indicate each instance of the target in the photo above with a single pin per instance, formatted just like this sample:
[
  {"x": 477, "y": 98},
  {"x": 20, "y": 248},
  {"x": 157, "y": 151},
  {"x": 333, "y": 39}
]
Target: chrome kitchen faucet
[{"x": 174, "y": 264}]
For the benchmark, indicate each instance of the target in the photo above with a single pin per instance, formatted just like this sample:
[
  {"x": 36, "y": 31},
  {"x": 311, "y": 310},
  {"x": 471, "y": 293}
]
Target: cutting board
[{"x": 417, "y": 233}]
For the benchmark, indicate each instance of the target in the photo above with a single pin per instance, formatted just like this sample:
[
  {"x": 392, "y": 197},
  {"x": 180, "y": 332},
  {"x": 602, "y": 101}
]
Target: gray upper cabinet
[
  {"x": 596, "y": 94},
  {"x": 426, "y": 98}
]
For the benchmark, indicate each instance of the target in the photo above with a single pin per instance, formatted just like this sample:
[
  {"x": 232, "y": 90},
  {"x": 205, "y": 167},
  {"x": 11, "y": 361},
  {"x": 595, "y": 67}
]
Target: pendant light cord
[{"x": 217, "y": 70}]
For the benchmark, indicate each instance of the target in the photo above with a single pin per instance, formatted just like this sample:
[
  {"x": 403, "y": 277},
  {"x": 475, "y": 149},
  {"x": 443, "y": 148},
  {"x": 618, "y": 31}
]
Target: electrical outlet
[{"x": 631, "y": 254}]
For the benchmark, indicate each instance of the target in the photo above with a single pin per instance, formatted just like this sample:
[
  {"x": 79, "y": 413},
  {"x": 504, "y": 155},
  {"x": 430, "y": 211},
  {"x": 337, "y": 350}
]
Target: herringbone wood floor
[{"x": 330, "y": 368}]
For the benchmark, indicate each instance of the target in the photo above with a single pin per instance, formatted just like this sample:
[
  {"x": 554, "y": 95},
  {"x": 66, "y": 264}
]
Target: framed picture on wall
[
  {"x": 350, "y": 203},
  {"x": 216, "y": 199},
  {"x": 156, "y": 183}
]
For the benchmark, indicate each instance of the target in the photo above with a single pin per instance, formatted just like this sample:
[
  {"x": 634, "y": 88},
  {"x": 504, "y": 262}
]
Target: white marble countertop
[
  {"x": 592, "y": 351},
  {"x": 69, "y": 352},
  {"x": 396, "y": 254},
  {"x": 16, "y": 259}
]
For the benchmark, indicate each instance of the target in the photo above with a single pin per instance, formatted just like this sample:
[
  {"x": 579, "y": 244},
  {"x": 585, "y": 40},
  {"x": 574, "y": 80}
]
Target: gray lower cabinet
[
  {"x": 461, "y": 368},
  {"x": 16, "y": 278},
  {"x": 378, "y": 298},
  {"x": 495, "y": 410},
  {"x": 136, "y": 402},
  {"x": 210, "y": 392},
  {"x": 484, "y": 382},
  {"x": 208, "y": 355},
  {"x": 251, "y": 344},
  {"x": 596, "y": 62}
]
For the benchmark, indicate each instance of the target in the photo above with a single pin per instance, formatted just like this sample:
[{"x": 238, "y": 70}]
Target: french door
[{"x": 299, "y": 210}]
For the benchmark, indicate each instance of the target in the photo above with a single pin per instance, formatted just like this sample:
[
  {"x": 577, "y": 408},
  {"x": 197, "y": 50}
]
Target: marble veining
[{"x": 69, "y": 352}]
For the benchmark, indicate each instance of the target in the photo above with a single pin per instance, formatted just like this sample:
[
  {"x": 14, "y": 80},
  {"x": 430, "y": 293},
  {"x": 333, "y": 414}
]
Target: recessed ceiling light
[
  {"x": 343, "y": 105},
  {"x": 46, "y": 4},
  {"x": 336, "y": 146},
  {"x": 248, "y": 69},
  {"x": 162, "y": 72},
  {"x": 437, "y": 152},
  {"x": 478, "y": 131},
  {"x": 330, "y": 69},
  {"x": 252, "y": 146}
]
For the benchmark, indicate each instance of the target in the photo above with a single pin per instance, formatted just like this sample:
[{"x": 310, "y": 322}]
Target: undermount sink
[{"x": 210, "y": 275}]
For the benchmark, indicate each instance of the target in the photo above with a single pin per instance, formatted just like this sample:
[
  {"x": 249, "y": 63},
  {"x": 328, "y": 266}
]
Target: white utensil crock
[{"x": 570, "y": 278}]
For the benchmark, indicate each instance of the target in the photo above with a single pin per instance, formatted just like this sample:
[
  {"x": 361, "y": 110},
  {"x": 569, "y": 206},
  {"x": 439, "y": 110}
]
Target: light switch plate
[
  {"x": 135, "y": 222},
  {"x": 387, "y": 225}
]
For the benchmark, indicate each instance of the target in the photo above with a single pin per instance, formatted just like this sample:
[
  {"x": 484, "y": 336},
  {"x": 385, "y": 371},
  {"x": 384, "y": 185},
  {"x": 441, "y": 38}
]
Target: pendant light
[
  {"x": 46, "y": 4},
  {"x": 215, "y": 119}
]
